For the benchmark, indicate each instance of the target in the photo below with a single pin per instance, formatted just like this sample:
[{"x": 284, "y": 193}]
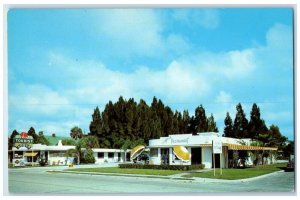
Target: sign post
[
  {"x": 214, "y": 164},
  {"x": 217, "y": 149}
]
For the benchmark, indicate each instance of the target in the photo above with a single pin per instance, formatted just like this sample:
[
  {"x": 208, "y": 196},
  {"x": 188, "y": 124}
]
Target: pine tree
[
  {"x": 240, "y": 123},
  {"x": 256, "y": 124},
  {"x": 186, "y": 122},
  {"x": 42, "y": 139},
  {"x": 211, "y": 124},
  {"x": 11, "y": 139},
  {"x": 228, "y": 129},
  {"x": 32, "y": 133},
  {"x": 200, "y": 121}
]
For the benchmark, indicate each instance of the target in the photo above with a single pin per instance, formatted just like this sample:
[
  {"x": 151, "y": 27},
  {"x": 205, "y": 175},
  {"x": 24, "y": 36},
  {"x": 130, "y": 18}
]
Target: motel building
[
  {"x": 55, "y": 155},
  {"x": 188, "y": 149}
]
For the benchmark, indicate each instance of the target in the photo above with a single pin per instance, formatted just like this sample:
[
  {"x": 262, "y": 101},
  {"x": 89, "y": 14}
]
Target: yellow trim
[{"x": 30, "y": 154}]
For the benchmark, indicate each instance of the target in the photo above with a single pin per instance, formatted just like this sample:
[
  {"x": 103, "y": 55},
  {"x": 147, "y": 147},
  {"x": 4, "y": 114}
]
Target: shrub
[
  {"x": 89, "y": 156},
  {"x": 42, "y": 162},
  {"x": 163, "y": 167}
]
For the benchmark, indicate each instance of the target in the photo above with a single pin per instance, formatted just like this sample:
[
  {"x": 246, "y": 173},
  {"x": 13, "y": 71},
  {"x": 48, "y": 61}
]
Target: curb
[
  {"x": 124, "y": 175},
  {"x": 194, "y": 179},
  {"x": 211, "y": 180}
]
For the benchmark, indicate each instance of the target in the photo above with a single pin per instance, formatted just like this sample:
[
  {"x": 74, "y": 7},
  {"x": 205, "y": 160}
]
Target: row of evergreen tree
[{"x": 127, "y": 120}]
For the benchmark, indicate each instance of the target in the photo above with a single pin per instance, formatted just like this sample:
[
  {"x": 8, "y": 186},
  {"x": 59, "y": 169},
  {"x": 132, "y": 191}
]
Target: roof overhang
[{"x": 248, "y": 147}]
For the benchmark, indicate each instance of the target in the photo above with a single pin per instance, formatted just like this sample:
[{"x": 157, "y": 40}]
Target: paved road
[{"x": 38, "y": 181}]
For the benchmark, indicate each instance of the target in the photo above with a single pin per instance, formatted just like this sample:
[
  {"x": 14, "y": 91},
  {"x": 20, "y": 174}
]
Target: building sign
[
  {"x": 23, "y": 140},
  {"x": 171, "y": 141},
  {"x": 217, "y": 145}
]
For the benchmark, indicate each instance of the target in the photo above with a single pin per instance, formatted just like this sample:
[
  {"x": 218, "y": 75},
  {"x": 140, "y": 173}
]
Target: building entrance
[
  {"x": 196, "y": 155},
  {"x": 217, "y": 161},
  {"x": 164, "y": 155}
]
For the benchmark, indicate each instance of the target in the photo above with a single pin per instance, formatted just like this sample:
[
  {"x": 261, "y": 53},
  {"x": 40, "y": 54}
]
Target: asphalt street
[{"x": 36, "y": 181}]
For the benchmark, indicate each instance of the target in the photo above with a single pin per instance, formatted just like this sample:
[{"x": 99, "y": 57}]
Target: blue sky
[{"x": 63, "y": 63}]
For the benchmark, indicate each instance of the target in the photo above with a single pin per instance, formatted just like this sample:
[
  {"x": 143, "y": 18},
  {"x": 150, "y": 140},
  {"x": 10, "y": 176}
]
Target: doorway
[
  {"x": 164, "y": 155},
  {"x": 196, "y": 155},
  {"x": 217, "y": 161}
]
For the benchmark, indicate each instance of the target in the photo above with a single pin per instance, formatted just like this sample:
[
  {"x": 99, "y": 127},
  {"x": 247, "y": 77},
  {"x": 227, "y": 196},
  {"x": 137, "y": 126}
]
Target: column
[
  {"x": 159, "y": 156},
  {"x": 170, "y": 156}
]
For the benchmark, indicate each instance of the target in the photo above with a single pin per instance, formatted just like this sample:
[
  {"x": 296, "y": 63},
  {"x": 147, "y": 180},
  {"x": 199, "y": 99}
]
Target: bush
[
  {"x": 89, "y": 156},
  {"x": 163, "y": 167},
  {"x": 42, "y": 162}
]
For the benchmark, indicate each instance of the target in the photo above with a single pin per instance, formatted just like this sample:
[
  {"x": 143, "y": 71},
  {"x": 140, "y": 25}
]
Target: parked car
[
  {"x": 290, "y": 167},
  {"x": 143, "y": 158}
]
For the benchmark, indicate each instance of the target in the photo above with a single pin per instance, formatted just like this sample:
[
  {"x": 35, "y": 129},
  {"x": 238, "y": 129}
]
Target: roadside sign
[
  {"x": 217, "y": 145},
  {"x": 217, "y": 149},
  {"x": 23, "y": 140}
]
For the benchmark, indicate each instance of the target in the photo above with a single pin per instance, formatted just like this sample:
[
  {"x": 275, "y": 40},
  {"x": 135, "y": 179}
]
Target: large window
[
  {"x": 110, "y": 155},
  {"x": 100, "y": 155},
  {"x": 57, "y": 154},
  {"x": 153, "y": 152}
]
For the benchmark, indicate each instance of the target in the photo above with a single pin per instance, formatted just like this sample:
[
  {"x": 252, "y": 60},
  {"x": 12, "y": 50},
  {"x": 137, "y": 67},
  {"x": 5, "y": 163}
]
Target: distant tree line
[{"x": 125, "y": 121}]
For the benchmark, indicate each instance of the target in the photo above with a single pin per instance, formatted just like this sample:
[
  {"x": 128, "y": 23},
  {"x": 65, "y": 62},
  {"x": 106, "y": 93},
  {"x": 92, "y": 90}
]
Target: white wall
[
  {"x": 60, "y": 160},
  {"x": 108, "y": 160},
  {"x": 156, "y": 160},
  {"x": 207, "y": 157}
]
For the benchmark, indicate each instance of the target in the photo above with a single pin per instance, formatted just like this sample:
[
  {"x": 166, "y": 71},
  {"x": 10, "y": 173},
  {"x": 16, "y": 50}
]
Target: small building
[
  {"x": 111, "y": 155},
  {"x": 55, "y": 155},
  {"x": 200, "y": 149}
]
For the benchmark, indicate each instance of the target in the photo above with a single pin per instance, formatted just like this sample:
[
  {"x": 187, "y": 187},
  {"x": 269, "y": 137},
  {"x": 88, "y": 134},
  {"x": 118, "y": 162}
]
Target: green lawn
[
  {"x": 128, "y": 171},
  {"x": 233, "y": 174}
]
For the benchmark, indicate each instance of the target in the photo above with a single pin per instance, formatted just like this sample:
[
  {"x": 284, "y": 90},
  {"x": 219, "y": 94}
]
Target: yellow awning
[
  {"x": 248, "y": 147},
  {"x": 182, "y": 153},
  {"x": 136, "y": 151},
  {"x": 30, "y": 154}
]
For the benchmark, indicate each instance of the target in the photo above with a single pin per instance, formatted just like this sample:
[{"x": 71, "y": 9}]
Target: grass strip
[
  {"x": 128, "y": 171},
  {"x": 234, "y": 174}
]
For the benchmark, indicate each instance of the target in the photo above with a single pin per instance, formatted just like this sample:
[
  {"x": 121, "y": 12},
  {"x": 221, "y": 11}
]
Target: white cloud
[
  {"x": 130, "y": 31},
  {"x": 206, "y": 18},
  {"x": 48, "y": 127},
  {"x": 223, "y": 97},
  {"x": 37, "y": 98},
  {"x": 136, "y": 32}
]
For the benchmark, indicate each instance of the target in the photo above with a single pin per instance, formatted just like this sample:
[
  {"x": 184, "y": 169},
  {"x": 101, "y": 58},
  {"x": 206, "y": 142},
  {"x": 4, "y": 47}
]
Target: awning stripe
[
  {"x": 31, "y": 154},
  {"x": 136, "y": 151},
  {"x": 248, "y": 147}
]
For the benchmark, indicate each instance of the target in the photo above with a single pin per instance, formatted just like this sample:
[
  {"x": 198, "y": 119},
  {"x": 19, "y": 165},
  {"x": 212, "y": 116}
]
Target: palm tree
[
  {"x": 90, "y": 142},
  {"x": 76, "y": 133},
  {"x": 73, "y": 153}
]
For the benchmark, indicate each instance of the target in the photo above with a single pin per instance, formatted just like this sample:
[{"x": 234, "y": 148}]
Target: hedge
[{"x": 165, "y": 167}]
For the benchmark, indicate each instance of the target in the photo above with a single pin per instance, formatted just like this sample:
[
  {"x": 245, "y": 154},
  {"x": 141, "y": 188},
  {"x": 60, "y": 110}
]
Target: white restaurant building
[{"x": 200, "y": 149}]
